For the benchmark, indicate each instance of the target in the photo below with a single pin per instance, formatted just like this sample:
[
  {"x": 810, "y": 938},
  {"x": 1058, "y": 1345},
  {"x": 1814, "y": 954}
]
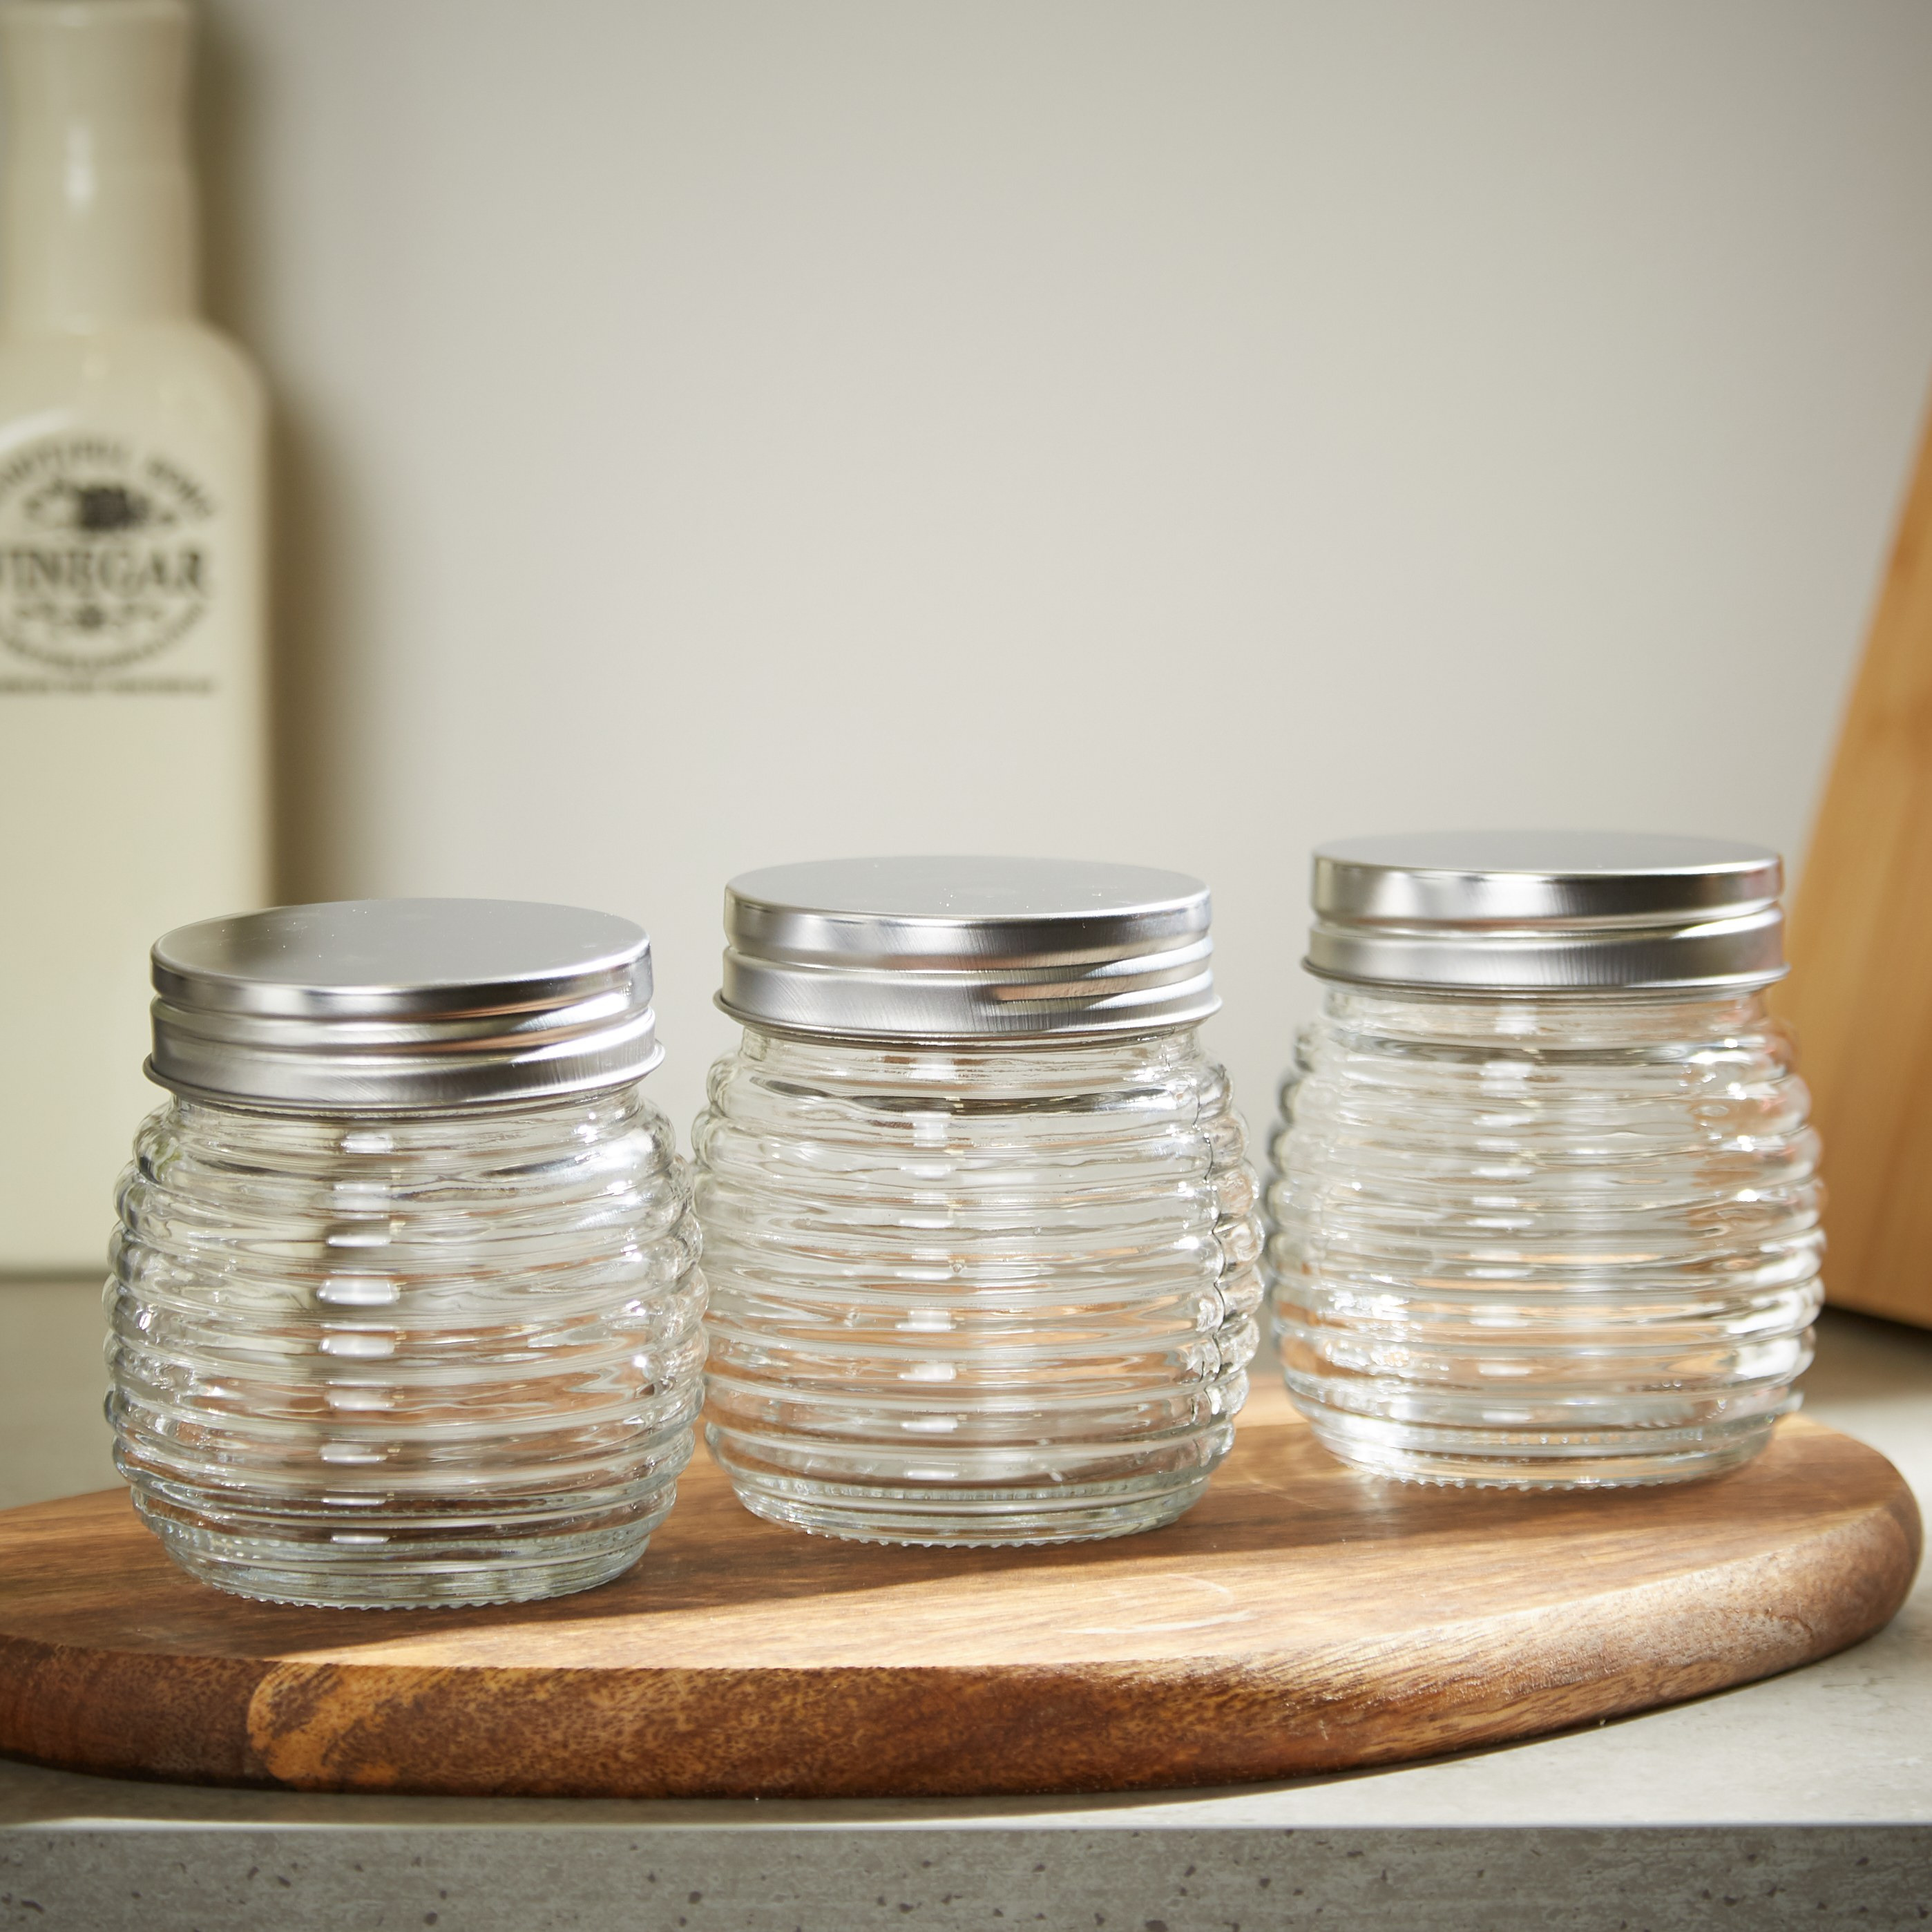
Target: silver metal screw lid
[
  {"x": 1547, "y": 912},
  {"x": 395, "y": 1005},
  {"x": 945, "y": 949}
]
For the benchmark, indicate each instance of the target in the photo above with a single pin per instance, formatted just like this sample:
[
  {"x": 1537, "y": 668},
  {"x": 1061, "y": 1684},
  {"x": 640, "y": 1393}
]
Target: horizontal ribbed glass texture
[
  {"x": 1563, "y": 1242},
  {"x": 983, "y": 1295},
  {"x": 381, "y": 1361}
]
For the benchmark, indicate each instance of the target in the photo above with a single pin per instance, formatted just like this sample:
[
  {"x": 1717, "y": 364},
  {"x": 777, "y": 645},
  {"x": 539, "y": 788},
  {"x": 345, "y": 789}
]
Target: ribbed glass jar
[
  {"x": 379, "y": 1361},
  {"x": 1544, "y": 1240},
  {"x": 405, "y": 1307},
  {"x": 999, "y": 1293}
]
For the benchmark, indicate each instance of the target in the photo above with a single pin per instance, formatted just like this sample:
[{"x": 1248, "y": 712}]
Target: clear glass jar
[
  {"x": 1523, "y": 1237},
  {"x": 961, "y": 1295},
  {"x": 405, "y": 1355},
  {"x": 990, "y": 1290}
]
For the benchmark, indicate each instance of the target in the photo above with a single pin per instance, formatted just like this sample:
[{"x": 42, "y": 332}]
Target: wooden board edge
[
  {"x": 115, "y": 1713},
  {"x": 965, "y": 1731},
  {"x": 958, "y": 1731}
]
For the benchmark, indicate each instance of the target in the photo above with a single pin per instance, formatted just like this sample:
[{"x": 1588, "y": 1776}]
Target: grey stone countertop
[{"x": 1805, "y": 1799}]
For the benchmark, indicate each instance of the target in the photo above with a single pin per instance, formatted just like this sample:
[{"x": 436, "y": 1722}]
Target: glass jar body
[
  {"x": 975, "y": 1294},
  {"x": 371, "y": 1361},
  {"x": 1569, "y": 1242}
]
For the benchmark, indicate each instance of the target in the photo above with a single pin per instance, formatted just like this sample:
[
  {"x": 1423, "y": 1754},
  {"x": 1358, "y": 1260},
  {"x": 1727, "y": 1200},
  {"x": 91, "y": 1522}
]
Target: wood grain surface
[
  {"x": 1860, "y": 939},
  {"x": 1302, "y": 1618}
]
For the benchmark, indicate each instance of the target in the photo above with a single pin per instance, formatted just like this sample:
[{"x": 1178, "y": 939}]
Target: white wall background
[{"x": 1179, "y": 430}]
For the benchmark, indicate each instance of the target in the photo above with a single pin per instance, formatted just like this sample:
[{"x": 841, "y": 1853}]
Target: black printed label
[{"x": 105, "y": 562}]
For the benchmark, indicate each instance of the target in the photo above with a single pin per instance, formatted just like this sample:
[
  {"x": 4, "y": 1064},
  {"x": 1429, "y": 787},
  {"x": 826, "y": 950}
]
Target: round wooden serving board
[{"x": 1302, "y": 1618}]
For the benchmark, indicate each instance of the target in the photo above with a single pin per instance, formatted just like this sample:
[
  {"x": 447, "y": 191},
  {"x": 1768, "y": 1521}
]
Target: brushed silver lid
[
  {"x": 945, "y": 949},
  {"x": 1547, "y": 911},
  {"x": 391, "y": 1005}
]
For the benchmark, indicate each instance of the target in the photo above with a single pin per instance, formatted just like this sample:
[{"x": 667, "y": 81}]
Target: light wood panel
[
  {"x": 1302, "y": 1618},
  {"x": 1860, "y": 992}
]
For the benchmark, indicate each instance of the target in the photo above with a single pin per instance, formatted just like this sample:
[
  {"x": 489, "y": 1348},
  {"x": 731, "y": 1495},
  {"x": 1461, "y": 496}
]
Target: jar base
[
  {"x": 1551, "y": 1463},
  {"x": 313, "y": 1577},
  {"x": 915, "y": 1517}
]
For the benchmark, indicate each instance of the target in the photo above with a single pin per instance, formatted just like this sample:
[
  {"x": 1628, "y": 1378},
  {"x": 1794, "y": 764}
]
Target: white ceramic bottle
[{"x": 133, "y": 741}]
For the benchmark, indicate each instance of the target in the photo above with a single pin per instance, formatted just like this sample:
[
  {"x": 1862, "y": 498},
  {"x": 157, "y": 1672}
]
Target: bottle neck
[
  {"x": 120, "y": 249},
  {"x": 97, "y": 218}
]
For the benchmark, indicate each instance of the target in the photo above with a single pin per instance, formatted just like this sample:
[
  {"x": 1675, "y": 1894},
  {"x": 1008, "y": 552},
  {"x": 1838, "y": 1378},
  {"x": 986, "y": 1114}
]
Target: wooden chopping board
[
  {"x": 1860, "y": 941},
  {"x": 1301, "y": 1618}
]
